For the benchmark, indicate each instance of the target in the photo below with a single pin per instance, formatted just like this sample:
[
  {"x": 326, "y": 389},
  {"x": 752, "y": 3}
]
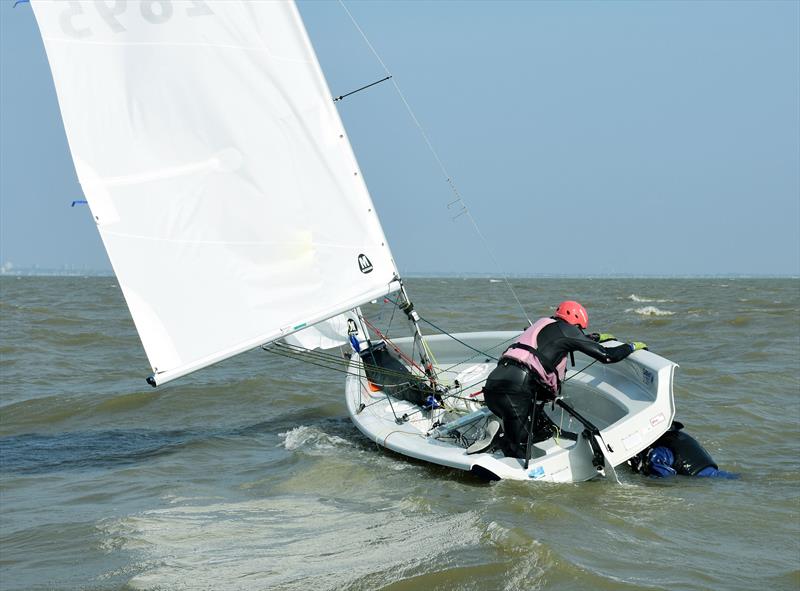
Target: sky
[{"x": 586, "y": 138}]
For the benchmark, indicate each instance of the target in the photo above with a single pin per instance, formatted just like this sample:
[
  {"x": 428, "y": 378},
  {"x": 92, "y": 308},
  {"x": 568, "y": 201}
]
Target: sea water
[{"x": 249, "y": 475}]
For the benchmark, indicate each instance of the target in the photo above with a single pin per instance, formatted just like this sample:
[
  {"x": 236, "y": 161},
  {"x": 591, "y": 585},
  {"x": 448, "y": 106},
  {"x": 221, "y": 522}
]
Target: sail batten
[{"x": 217, "y": 170}]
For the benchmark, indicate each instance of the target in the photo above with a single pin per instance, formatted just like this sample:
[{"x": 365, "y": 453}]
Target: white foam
[
  {"x": 650, "y": 311},
  {"x": 310, "y": 437},
  {"x": 639, "y": 299},
  {"x": 287, "y": 543}
]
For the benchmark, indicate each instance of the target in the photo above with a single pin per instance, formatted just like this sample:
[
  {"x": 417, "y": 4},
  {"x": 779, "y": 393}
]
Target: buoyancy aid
[{"x": 524, "y": 351}]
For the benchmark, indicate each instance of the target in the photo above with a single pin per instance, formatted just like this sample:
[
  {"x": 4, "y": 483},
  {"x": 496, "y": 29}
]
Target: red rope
[{"x": 389, "y": 342}]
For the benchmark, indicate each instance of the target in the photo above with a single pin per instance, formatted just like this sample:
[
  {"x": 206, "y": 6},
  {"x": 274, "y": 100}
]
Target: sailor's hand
[
  {"x": 636, "y": 345},
  {"x": 602, "y": 337}
]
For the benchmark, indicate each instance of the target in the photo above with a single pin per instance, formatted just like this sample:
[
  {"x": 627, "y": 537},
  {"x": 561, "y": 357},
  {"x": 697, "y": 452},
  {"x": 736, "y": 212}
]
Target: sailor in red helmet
[{"x": 533, "y": 368}]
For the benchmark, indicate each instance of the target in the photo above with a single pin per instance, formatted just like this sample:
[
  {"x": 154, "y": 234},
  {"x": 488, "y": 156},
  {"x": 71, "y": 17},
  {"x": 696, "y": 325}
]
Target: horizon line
[{"x": 72, "y": 272}]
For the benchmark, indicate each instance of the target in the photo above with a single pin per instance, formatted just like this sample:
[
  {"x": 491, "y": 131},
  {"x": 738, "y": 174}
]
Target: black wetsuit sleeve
[
  {"x": 576, "y": 340},
  {"x": 601, "y": 353}
]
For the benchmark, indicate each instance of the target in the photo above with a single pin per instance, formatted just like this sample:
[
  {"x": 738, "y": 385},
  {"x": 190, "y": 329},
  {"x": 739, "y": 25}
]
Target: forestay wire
[{"x": 458, "y": 201}]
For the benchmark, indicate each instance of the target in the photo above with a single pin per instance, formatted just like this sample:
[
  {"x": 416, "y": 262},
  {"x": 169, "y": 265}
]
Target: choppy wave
[
  {"x": 310, "y": 438},
  {"x": 296, "y": 542},
  {"x": 650, "y": 311},
  {"x": 249, "y": 475},
  {"x": 32, "y": 453},
  {"x": 639, "y": 299}
]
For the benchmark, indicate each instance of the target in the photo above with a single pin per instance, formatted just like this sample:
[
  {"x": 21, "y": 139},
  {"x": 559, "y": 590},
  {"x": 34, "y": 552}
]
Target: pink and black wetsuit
[{"x": 537, "y": 362}]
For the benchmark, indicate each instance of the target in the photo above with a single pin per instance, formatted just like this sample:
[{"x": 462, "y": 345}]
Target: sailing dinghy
[{"x": 234, "y": 214}]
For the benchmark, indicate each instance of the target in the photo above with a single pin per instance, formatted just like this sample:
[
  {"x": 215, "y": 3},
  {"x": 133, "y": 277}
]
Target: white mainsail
[{"x": 217, "y": 170}]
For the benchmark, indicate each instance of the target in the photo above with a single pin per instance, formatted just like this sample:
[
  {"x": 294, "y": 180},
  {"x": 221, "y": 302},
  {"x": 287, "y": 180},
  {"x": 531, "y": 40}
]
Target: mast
[{"x": 407, "y": 307}]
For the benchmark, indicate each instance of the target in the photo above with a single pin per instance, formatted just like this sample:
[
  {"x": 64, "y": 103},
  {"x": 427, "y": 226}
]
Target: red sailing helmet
[{"x": 573, "y": 313}]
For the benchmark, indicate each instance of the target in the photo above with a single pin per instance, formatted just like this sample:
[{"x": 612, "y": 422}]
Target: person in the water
[
  {"x": 533, "y": 368},
  {"x": 677, "y": 452}
]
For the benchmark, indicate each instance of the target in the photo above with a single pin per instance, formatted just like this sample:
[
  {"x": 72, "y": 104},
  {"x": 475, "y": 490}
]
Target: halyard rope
[{"x": 458, "y": 200}]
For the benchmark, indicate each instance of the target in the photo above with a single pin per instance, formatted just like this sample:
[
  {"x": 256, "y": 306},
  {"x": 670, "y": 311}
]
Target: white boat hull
[{"x": 631, "y": 403}]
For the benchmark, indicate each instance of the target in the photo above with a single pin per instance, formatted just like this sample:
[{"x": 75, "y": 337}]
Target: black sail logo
[{"x": 364, "y": 264}]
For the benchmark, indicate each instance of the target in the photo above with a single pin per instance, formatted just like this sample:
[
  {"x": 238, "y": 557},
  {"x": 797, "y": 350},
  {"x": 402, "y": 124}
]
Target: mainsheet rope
[
  {"x": 458, "y": 200},
  {"x": 328, "y": 360},
  {"x": 336, "y": 363}
]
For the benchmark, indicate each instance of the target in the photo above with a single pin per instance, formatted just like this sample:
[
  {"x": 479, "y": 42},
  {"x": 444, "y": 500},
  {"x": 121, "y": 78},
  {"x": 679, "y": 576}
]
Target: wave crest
[
  {"x": 310, "y": 437},
  {"x": 650, "y": 311},
  {"x": 639, "y": 299}
]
